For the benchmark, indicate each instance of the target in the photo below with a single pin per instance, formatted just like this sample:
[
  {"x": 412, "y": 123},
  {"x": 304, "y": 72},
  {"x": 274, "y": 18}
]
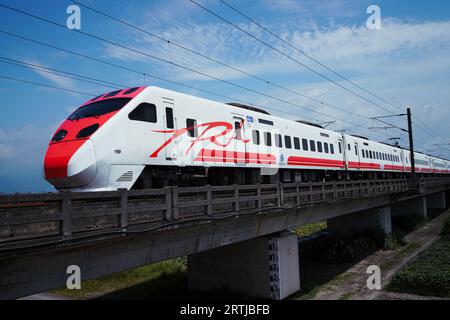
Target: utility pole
[
  {"x": 411, "y": 143},
  {"x": 409, "y": 131}
]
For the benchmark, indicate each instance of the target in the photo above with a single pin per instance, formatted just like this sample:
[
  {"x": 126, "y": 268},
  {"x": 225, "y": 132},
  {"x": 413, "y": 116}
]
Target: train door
[
  {"x": 343, "y": 151},
  {"x": 239, "y": 146},
  {"x": 358, "y": 155},
  {"x": 169, "y": 123},
  {"x": 402, "y": 160}
]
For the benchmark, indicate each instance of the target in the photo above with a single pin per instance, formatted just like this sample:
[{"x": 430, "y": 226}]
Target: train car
[
  {"x": 149, "y": 137},
  {"x": 423, "y": 163},
  {"x": 438, "y": 165}
]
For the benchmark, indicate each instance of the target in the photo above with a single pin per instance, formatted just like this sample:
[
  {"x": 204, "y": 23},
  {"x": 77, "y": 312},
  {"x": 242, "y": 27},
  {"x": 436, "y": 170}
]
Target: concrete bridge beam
[
  {"x": 416, "y": 206},
  {"x": 265, "y": 267},
  {"x": 437, "y": 201},
  {"x": 359, "y": 222}
]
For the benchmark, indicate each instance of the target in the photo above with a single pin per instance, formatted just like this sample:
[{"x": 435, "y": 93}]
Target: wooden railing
[{"x": 68, "y": 215}]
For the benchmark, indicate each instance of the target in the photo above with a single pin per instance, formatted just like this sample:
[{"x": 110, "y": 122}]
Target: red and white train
[{"x": 148, "y": 137}]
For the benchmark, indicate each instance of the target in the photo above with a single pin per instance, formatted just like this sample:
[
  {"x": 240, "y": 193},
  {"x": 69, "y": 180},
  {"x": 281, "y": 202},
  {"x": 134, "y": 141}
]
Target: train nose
[{"x": 70, "y": 164}]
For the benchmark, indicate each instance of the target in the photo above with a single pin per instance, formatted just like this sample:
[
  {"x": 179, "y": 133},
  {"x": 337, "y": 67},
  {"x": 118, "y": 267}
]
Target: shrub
[{"x": 428, "y": 274}]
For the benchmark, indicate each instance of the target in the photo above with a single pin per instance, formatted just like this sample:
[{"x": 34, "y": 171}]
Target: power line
[
  {"x": 307, "y": 55},
  {"x": 45, "y": 85},
  {"x": 211, "y": 59},
  {"x": 313, "y": 59},
  {"x": 175, "y": 64},
  {"x": 288, "y": 56},
  {"x": 72, "y": 76},
  {"x": 57, "y": 72}
]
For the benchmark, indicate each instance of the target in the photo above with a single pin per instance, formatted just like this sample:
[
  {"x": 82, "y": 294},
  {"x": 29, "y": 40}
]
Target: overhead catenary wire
[
  {"x": 286, "y": 55},
  {"x": 193, "y": 71},
  {"x": 176, "y": 64},
  {"x": 425, "y": 126},
  {"x": 80, "y": 78},
  {"x": 59, "y": 73},
  {"x": 204, "y": 56},
  {"x": 45, "y": 85}
]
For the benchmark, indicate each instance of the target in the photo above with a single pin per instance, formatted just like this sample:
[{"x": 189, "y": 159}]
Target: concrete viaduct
[{"x": 234, "y": 236}]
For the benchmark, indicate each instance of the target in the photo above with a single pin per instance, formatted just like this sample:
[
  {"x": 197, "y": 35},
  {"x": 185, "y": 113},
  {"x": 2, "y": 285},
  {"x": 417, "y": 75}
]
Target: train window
[
  {"x": 238, "y": 130},
  {"x": 312, "y": 145},
  {"x": 305, "y": 144},
  {"x": 278, "y": 140},
  {"x": 287, "y": 142},
  {"x": 363, "y": 154},
  {"x": 191, "y": 124},
  {"x": 255, "y": 135},
  {"x": 319, "y": 146},
  {"x": 268, "y": 122},
  {"x": 131, "y": 90},
  {"x": 267, "y": 139},
  {"x": 99, "y": 108},
  {"x": 112, "y": 94},
  {"x": 356, "y": 151},
  {"x": 144, "y": 112},
  {"x": 325, "y": 147},
  {"x": 370, "y": 154},
  {"x": 296, "y": 143},
  {"x": 377, "y": 156},
  {"x": 340, "y": 147},
  {"x": 349, "y": 147},
  {"x": 169, "y": 118},
  {"x": 332, "y": 148}
]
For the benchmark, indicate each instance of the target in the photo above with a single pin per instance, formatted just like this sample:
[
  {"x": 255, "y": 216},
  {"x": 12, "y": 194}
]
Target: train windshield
[{"x": 99, "y": 108}]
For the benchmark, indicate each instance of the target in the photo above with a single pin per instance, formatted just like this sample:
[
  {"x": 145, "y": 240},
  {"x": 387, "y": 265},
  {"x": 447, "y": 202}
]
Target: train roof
[
  {"x": 244, "y": 106},
  {"x": 310, "y": 124}
]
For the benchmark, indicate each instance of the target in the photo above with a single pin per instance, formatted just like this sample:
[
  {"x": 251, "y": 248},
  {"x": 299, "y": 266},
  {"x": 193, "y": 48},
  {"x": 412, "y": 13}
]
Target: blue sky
[{"x": 406, "y": 62}]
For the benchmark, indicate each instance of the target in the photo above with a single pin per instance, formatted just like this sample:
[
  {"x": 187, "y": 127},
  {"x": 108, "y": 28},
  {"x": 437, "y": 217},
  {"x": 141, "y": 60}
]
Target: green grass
[
  {"x": 429, "y": 273},
  {"x": 311, "y": 228},
  {"x": 161, "y": 278}
]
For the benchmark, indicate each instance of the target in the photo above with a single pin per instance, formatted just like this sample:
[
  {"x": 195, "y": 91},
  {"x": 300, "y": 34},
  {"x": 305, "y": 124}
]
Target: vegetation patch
[
  {"x": 312, "y": 228},
  {"x": 428, "y": 274},
  {"x": 162, "y": 278}
]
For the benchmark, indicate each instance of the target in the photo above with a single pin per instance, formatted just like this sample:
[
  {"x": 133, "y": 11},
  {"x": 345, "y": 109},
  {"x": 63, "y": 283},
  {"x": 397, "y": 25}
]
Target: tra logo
[{"x": 218, "y": 137}]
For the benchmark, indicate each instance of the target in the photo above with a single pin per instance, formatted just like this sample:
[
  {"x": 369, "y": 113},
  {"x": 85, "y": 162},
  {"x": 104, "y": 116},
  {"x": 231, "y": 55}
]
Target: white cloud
[
  {"x": 54, "y": 78},
  {"x": 405, "y": 62}
]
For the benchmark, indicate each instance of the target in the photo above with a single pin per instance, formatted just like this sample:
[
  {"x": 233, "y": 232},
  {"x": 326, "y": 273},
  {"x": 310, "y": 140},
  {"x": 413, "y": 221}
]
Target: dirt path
[{"x": 352, "y": 283}]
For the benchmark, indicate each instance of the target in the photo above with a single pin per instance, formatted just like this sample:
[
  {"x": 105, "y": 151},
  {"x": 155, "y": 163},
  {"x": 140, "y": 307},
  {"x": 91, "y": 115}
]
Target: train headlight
[
  {"x": 86, "y": 132},
  {"x": 61, "y": 134}
]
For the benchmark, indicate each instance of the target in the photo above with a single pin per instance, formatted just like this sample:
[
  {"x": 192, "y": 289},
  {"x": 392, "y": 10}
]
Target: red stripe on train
[
  {"x": 313, "y": 162},
  {"x": 224, "y": 156}
]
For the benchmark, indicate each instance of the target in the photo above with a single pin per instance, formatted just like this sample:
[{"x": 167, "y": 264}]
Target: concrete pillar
[
  {"x": 356, "y": 223},
  {"x": 436, "y": 201},
  {"x": 266, "y": 267},
  {"x": 416, "y": 206}
]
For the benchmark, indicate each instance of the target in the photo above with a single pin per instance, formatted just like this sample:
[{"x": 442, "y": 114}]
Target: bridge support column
[
  {"x": 437, "y": 201},
  {"x": 266, "y": 267},
  {"x": 356, "y": 223},
  {"x": 416, "y": 207}
]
